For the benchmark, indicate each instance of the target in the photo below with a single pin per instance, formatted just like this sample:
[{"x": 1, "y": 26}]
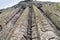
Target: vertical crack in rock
[
  {"x": 20, "y": 30},
  {"x": 7, "y": 15},
  {"x": 10, "y": 25},
  {"x": 49, "y": 17},
  {"x": 29, "y": 29},
  {"x": 54, "y": 25},
  {"x": 0, "y": 27},
  {"x": 44, "y": 28}
]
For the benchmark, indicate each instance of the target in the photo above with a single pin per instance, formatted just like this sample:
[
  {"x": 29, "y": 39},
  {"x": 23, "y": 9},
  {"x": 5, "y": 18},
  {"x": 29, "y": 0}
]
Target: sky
[{"x": 9, "y": 3}]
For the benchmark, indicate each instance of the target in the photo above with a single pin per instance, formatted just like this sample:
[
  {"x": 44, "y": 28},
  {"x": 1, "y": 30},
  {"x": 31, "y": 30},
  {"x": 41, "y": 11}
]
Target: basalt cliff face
[{"x": 30, "y": 21}]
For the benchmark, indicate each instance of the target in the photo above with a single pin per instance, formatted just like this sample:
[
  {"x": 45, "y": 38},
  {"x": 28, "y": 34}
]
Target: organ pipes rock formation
[{"x": 30, "y": 20}]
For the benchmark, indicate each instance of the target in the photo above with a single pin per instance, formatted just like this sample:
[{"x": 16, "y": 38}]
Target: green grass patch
[{"x": 58, "y": 5}]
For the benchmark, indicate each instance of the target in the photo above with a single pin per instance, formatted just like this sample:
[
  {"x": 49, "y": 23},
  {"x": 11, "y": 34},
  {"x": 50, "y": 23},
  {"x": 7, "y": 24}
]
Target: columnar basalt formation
[{"x": 30, "y": 20}]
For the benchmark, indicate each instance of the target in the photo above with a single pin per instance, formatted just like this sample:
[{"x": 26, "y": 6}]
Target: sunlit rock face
[{"x": 30, "y": 20}]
